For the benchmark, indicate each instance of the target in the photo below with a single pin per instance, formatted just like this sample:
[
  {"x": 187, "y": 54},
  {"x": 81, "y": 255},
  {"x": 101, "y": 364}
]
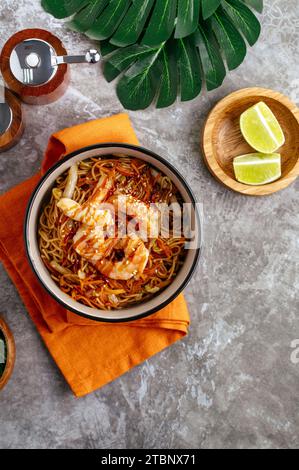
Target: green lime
[
  {"x": 261, "y": 129},
  {"x": 257, "y": 168}
]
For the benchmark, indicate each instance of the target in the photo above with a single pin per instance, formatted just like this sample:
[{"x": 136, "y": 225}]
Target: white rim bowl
[{"x": 42, "y": 192}]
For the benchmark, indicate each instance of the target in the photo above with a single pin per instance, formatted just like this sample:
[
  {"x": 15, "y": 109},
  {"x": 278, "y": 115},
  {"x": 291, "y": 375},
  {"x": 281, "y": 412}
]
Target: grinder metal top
[
  {"x": 34, "y": 62},
  {"x": 31, "y": 62}
]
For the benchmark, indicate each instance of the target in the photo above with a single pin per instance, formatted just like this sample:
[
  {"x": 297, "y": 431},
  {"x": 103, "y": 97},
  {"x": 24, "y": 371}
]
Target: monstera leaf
[{"x": 162, "y": 48}]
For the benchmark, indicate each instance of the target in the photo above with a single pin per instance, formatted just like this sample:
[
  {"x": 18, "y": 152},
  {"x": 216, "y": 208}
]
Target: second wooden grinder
[{"x": 11, "y": 120}]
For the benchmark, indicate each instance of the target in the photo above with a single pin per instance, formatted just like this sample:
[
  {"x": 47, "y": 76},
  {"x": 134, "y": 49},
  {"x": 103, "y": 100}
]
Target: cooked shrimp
[
  {"x": 105, "y": 184},
  {"x": 88, "y": 241},
  {"x": 89, "y": 213},
  {"x": 133, "y": 263},
  {"x": 146, "y": 216},
  {"x": 90, "y": 244}
]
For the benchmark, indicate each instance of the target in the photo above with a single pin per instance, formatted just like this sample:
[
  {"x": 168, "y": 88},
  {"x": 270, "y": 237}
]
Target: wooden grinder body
[{"x": 40, "y": 94}]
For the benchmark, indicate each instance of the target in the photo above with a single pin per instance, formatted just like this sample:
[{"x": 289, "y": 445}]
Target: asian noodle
[{"x": 75, "y": 273}]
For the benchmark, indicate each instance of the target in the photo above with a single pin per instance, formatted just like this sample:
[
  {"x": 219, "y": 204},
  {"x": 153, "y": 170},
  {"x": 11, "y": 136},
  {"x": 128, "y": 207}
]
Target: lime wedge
[
  {"x": 257, "y": 168},
  {"x": 261, "y": 129}
]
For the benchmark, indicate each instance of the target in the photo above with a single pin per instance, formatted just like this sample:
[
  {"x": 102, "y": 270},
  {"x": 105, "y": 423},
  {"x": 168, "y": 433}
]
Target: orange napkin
[{"x": 89, "y": 354}]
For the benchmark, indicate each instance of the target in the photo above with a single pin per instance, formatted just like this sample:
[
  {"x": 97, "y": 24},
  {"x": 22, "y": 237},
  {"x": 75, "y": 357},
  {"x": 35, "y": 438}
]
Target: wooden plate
[
  {"x": 11, "y": 353},
  {"x": 222, "y": 139}
]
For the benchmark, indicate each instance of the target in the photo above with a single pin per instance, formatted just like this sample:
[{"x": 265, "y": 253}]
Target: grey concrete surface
[{"x": 231, "y": 382}]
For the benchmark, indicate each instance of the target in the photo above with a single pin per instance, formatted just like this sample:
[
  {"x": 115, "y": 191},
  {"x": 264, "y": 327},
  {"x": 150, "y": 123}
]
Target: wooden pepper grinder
[
  {"x": 11, "y": 120},
  {"x": 35, "y": 65},
  {"x": 7, "y": 353}
]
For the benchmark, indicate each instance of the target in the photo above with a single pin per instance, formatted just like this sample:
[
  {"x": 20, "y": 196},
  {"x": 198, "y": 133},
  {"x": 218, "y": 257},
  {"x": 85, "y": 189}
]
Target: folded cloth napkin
[{"x": 89, "y": 354}]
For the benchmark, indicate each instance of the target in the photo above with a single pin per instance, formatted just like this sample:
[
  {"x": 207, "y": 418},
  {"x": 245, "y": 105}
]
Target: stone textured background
[{"x": 230, "y": 383}]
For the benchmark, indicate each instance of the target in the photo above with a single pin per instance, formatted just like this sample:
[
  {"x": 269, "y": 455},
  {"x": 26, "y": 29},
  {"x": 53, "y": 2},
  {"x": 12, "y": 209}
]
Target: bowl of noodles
[{"x": 112, "y": 232}]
